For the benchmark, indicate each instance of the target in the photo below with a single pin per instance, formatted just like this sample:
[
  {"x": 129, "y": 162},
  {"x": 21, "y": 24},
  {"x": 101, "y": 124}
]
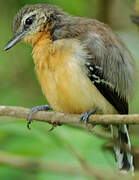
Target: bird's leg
[
  {"x": 85, "y": 116},
  {"x": 34, "y": 110}
]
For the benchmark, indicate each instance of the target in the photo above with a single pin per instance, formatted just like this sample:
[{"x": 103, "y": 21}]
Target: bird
[{"x": 83, "y": 68}]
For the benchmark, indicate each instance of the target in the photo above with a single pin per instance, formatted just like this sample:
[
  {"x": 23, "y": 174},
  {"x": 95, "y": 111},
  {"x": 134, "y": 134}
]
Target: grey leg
[
  {"x": 85, "y": 116},
  {"x": 34, "y": 110}
]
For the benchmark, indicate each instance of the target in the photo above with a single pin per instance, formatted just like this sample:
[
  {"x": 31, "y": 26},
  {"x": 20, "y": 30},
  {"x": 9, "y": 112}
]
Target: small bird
[{"x": 82, "y": 66}]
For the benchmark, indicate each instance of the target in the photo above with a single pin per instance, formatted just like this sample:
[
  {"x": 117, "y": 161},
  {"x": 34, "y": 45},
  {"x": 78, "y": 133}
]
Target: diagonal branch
[
  {"x": 29, "y": 163},
  {"x": 35, "y": 164}
]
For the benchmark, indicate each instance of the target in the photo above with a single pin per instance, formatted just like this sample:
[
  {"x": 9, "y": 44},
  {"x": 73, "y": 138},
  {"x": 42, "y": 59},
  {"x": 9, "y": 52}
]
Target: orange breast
[{"x": 62, "y": 79}]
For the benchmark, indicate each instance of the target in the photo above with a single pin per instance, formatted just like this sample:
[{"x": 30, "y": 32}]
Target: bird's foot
[
  {"x": 85, "y": 116},
  {"x": 34, "y": 110}
]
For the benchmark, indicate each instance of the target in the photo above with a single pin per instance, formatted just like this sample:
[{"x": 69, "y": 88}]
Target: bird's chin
[{"x": 32, "y": 39}]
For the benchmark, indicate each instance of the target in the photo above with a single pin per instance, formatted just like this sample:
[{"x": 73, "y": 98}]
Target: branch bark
[{"x": 69, "y": 119}]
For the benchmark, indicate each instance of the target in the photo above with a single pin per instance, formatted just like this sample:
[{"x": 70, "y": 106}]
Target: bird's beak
[{"x": 14, "y": 40}]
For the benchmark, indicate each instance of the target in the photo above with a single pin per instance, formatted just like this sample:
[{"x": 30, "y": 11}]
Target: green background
[{"x": 19, "y": 87}]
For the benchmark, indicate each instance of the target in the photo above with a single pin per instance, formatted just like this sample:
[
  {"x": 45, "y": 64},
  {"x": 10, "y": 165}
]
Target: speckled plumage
[{"x": 49, "y": 10}]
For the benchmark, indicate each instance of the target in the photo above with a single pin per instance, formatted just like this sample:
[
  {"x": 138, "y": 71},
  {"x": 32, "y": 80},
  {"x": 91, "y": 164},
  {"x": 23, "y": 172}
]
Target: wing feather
[{"x": 114, "y": 74}]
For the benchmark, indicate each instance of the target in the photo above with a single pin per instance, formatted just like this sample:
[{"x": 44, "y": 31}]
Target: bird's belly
[{"x": 68, "y": 89}]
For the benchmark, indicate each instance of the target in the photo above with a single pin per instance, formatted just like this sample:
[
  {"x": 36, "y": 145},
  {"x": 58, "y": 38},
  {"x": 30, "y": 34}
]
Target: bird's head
[{"x": 33, "y": 20}]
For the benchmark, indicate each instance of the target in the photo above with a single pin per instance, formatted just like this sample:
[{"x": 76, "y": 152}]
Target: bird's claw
[
  {"x": 35, "y": 110},
  {"x": 85, "y": 116}
]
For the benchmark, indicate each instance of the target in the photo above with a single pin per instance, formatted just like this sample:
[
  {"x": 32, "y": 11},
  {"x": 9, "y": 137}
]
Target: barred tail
[{"x": 124, "y": 159}]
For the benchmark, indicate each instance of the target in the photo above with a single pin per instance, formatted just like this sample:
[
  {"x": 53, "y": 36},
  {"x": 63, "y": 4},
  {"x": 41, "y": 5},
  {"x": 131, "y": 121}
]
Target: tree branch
[
  {"x": 35, "y": 164},
  {"x": 70, "y": 119},
  {"x": 30, "y": 164}
]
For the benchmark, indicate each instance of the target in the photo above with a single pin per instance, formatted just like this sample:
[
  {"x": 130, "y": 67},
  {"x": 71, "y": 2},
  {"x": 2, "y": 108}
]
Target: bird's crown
[
  {"x": 32, "y": 19},
  {"x": 35, "y": 15}
]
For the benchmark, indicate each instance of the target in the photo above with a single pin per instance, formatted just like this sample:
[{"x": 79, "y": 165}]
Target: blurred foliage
[{"x": 19, "y": 87}]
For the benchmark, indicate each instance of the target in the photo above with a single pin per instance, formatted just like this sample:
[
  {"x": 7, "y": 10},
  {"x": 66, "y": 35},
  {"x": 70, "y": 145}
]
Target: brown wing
[{"x": 114, "y": 75}]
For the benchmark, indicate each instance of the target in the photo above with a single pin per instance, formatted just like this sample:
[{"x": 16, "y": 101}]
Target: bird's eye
[{"x": 29, "y": 20}]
